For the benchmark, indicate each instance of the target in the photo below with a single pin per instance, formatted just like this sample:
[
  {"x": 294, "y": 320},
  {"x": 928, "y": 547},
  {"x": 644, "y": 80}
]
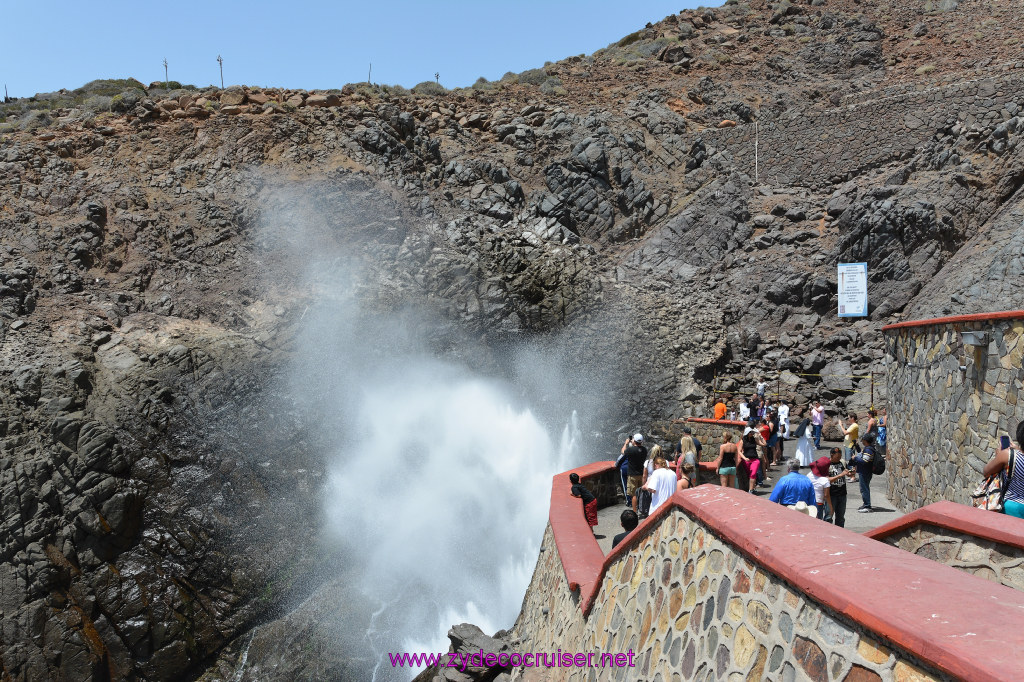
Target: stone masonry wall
[
  {"x": 944, "y": 422},
  {"x": 986, "y": 559},
  {"x": 693, "y": 608},
  {"x": 800, "y": 148}
]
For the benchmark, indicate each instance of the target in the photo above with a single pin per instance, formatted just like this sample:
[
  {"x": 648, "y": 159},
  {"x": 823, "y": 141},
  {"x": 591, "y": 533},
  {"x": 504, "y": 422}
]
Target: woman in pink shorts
[{"x": 749, "y": 460}]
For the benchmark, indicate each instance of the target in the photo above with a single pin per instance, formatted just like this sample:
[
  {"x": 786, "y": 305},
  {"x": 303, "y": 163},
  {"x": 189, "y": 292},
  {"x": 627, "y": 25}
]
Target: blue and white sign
[{"x": 853, "y": 289}]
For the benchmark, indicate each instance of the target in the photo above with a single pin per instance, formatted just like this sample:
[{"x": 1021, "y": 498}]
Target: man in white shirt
[
  {"x": 662, "y": 483},
  {"x": 784, "y": 418},
  {"x": 744, "y": 410}
]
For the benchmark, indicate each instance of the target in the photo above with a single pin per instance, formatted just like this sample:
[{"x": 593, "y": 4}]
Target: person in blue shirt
[{"x": 793, "y": 487}]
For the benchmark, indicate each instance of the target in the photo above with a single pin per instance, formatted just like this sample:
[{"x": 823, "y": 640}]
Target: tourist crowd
[{"x": 649, "y": 477}]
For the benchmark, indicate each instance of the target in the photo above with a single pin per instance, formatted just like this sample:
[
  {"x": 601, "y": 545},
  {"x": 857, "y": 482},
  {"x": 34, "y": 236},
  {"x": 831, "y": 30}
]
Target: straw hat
[{"x": 803, "y": 508}]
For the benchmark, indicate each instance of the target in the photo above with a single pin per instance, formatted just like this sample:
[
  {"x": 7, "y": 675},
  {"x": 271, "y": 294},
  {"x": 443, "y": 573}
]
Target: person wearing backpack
[
  {"x": 1011, "y": 459},
  {"x": 865, "y": 463}
]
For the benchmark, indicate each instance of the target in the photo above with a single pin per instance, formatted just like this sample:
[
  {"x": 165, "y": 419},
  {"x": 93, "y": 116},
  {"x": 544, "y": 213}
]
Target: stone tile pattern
[
  {"x": 993, "y": 561},
  {"x": 693, "y": 608},
  {"x": 944, "y": 422},
  {"x": 835, "y": 143}
]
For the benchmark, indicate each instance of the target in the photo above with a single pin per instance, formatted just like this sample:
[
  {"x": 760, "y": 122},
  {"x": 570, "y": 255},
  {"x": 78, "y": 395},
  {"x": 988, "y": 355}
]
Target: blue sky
[{"x": 302, "y": 43}]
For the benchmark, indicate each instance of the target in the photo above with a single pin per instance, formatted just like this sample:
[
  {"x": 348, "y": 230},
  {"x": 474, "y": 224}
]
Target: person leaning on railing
[{"x": 1012, "y": 460}]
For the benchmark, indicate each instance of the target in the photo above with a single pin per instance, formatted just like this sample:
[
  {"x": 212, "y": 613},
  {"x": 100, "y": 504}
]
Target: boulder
[
  {"x": 331, "y": 100},
  {"x": 837, "y": 375},
  {"x": 232, "y": 97},
  {"x": 673, "y": 54}
]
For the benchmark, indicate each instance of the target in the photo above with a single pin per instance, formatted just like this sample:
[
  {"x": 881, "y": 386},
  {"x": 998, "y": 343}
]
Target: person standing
[
  {"x": 765, "y": 429},
  {"x": 863, "y": 462},
  {"x": 818, "y": 476},
  {"x": 883, "y": 432},
  {"x": 871, "y": 428},
  {"x": 636, "y": 455},
  {"x": 817, "y": 421},
  {"x": 761, "y": 388},
  {"x": 720, "y": 409},
  {"x": 662, "y": 483},
  {"x": 623, "y": 466},
  {"x": 750, "y": 460},
  {"x": 784, "y": 418},
  {"x": 837, "y": 476},
  {"x": 685, "y": 477},
  {"x": 851, "y": 434},
  {"x": 725, "y": 465},
  {"x": 793, "y": 487},
  {"x": 744, "y": 410},
  {"x": 643, "y": 505},
  {"x": 804, "y": 444},
  {"x": 774, "y": 438},
  {"x": 1012, "y": 460},
  {"x": 689, "y": 451}
]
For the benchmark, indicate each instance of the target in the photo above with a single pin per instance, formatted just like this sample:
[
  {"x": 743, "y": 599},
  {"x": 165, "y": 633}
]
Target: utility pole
[
  {"x": 166, "y": 79},
  {"x": 756, "y": 136},
  {"x": 220, "y": 60},
  {"x": 437, "y": 77},
  {"x": 369, "y": 75}
]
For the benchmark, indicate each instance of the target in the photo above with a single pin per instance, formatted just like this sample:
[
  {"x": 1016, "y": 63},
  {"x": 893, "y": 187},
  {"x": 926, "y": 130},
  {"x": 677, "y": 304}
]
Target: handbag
[{"x": 990, "y": 493}]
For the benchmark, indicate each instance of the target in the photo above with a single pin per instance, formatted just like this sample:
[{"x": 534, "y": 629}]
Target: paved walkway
[{"x": 608, "y": 525}]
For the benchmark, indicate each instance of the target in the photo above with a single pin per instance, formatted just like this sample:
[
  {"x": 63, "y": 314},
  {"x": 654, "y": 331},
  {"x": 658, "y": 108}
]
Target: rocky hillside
[{"x": 663, "y": 217}]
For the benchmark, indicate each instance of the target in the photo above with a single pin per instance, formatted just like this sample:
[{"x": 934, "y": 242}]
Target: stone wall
[
  {"x": 605, "y": 485},
  {"x": 925, "y": 83},
  {"x": 717, "y": 585},
  {"x": 944, "y": 422},
  {"x": 687, "y": 603},
  {"x": 801, "y": 147},
  {"x": 983, "y": 558},
  {"x": 982, "y": 543}
]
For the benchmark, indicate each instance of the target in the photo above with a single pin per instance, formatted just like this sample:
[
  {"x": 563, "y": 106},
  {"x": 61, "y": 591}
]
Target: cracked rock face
[{"x": 669, "y": 217}]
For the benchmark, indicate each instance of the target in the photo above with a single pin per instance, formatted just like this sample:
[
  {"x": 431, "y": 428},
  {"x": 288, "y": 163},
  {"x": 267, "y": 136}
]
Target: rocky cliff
[{"x": 662, "y": 215}]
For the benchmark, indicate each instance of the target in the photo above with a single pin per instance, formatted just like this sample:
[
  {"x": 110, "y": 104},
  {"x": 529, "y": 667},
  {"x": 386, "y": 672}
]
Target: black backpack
[{"x": 877, "y": 462}]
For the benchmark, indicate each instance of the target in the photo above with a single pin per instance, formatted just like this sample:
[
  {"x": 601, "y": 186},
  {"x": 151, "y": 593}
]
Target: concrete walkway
[{"x": 608, "y": 525}]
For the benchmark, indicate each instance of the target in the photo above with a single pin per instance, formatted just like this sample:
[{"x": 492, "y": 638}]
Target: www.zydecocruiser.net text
[{"x": 559, "y": 659}]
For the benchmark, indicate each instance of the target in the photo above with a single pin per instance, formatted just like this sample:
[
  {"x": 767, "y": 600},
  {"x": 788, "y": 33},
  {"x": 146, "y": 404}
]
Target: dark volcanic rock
[{"x": 161, "y": 500}]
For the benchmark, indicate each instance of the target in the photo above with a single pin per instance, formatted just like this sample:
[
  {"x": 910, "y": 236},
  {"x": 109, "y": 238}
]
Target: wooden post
[
  {"x": 756, "y": 136},
  {"x": 872, "y": 389}
]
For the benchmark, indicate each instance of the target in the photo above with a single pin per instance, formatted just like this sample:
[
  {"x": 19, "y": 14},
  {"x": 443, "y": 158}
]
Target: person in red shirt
[{"x": 765, "y": 429}]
